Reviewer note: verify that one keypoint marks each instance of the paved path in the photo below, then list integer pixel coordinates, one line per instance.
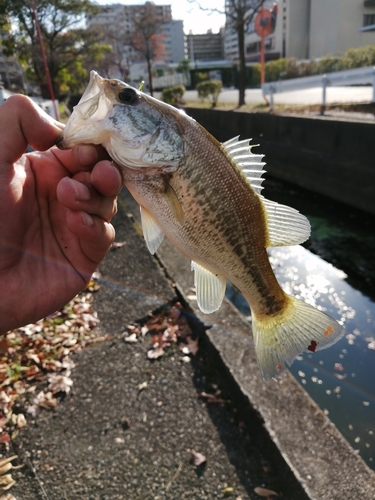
(298, 97)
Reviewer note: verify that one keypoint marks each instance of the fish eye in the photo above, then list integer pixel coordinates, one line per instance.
(127, 96)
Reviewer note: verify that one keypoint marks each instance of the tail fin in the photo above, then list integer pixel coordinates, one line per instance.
(301, 327)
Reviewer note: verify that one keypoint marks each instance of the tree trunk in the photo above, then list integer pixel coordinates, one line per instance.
(242, 64)
(149, 69)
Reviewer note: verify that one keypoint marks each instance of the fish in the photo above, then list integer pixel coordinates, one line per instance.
(205, 198)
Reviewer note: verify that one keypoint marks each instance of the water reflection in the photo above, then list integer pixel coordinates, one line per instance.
(340, 379)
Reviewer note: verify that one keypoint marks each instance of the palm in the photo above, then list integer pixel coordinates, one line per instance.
(47, 253)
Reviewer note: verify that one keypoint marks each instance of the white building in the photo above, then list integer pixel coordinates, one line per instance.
(174, 41)
(308, 29)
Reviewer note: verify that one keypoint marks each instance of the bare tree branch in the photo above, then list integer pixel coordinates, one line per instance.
(239, 14)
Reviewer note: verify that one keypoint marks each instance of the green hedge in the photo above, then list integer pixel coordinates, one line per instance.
(284, 69)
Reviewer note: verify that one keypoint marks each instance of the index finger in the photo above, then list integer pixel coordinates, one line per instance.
(81, 158)
(23, 122)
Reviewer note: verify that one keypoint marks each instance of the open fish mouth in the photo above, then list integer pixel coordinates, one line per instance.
(92, 107)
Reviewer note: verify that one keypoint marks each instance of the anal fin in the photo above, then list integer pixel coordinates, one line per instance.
(210, 288)
(152, 233)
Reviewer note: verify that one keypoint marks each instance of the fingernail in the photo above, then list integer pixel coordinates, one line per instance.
(87, 219)
(82, 192)
(120, 180)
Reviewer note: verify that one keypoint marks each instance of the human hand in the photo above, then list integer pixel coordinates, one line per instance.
(55, 208)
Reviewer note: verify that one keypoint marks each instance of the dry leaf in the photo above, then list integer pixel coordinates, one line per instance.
(6, 482)
(228, 490)
(33, 410)
(155, 353)
(21, 421)
(198, 458)
(46, 400)
(192, 345)
(265, 492)
(211, 398)
(59, 383)
(118, 244)
(131, 338)
(142, 386)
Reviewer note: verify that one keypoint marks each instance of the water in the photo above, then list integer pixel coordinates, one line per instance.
(341, 379)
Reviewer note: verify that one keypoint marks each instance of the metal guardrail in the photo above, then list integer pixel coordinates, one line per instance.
(358, 76)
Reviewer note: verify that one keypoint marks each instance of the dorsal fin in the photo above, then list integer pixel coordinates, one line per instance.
(286, 226)
(251, 164)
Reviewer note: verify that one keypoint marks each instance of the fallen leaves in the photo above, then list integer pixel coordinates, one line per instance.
(168, 325)
(6, 480)
(41, 352)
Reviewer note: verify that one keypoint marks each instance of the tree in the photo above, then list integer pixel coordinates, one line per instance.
(239, 14)
(184, 68)
(147, 38)
(66, 43)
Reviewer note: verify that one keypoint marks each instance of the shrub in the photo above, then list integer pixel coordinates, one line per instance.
(210, 90)
(173, 95)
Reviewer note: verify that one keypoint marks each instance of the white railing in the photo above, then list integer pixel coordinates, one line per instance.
(358, 76)
(165, 81)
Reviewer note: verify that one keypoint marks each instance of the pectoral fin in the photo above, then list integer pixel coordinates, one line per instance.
(174, 203)
(152, 233)
(210, 288)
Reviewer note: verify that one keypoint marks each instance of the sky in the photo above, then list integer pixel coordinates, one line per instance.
(194, 19)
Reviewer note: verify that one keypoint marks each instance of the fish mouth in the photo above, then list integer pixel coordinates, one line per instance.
(92, 107)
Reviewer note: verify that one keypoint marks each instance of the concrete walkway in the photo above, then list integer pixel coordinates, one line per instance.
(111, 440)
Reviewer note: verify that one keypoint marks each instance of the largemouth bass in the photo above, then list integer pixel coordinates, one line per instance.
(205, 197)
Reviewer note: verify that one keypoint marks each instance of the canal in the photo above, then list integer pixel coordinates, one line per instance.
(334, 271)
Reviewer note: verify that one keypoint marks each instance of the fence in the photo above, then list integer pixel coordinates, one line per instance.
(358, 76)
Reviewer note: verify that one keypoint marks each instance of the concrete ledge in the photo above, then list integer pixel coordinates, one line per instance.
(321, 459)
(333, 158)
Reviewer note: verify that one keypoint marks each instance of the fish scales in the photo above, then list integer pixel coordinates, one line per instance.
(221, 190)
(205, 198)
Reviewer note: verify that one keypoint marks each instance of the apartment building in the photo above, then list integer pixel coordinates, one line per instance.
(206, 47)
(307, 29)
(115, 21)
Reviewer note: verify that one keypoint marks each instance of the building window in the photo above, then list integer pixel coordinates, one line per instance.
(253, 47)
(368, 19)
(251, 27)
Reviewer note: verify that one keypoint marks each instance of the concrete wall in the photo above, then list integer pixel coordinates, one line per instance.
(333, 158)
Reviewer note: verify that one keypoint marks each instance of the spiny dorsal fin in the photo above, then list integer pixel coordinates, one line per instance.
(210, 288)
(251, 164)
(153, 235)
(286, 226)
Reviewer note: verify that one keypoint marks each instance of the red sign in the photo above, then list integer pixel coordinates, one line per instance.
(265, 22)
